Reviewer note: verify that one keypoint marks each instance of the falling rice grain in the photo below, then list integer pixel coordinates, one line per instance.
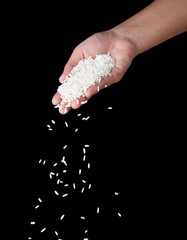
(51, 174)
(119, 214)
(57, 193)
(37, 206)
(43, 230)
(32, 223)
(87, 118)
(82, 217)
(53, 121)
(39, 199)
(65, 146)
(58, 181)
(40, 161)
(62, 217)
(65, 195)
(98, 210)
(66, 124)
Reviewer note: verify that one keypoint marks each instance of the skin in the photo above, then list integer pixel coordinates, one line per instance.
(158, 22)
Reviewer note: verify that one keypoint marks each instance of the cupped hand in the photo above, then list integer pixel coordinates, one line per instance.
(120, 47)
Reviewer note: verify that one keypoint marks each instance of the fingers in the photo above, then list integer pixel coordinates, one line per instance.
(56, 98)
(92, 90)
(64, 109)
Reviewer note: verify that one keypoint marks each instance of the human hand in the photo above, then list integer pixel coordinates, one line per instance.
(120, 47)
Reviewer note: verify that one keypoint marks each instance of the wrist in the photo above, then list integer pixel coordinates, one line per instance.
(129, 33)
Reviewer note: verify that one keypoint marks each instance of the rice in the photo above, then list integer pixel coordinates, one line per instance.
(86, 73)
(62, 217)
(43, 230)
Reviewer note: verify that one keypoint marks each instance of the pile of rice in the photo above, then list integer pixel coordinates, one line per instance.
(86, 73)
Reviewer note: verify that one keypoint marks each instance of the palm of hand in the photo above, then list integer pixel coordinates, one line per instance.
(120, 48)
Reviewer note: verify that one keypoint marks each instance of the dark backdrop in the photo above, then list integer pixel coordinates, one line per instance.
(135, 148)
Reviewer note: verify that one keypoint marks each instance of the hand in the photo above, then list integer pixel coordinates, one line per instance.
(120, 47)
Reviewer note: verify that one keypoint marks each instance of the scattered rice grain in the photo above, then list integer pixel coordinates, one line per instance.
(57, 193)
(119, 214)
(62, 217)
(43, 230)
(65, 195)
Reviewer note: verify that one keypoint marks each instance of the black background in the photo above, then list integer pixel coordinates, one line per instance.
(135, 148)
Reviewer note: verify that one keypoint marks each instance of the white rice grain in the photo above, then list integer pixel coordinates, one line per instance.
(84, 102)
(119, 214)
(98, 210)
(62, 217)
(65, 195)
(57, 193)
(43, 230)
